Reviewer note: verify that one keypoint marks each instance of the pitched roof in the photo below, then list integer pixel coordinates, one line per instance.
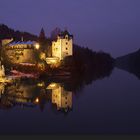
(64, 33)
(13, 43)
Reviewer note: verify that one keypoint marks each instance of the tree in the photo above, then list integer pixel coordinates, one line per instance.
(42, 37)
(55, 32)
(8, 33)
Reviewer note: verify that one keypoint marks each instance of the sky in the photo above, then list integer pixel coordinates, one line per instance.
(111, 26)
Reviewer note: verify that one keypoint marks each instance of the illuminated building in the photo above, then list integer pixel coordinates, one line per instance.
(63, 46)
(20, 51)
(25, 51)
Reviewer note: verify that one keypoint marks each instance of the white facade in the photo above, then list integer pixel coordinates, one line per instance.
(62, 47)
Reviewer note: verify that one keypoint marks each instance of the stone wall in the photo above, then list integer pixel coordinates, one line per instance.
(21, 55)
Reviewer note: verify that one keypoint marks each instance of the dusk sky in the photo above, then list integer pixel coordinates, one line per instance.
(112, 26)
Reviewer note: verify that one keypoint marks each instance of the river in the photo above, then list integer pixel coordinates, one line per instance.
(106, 106)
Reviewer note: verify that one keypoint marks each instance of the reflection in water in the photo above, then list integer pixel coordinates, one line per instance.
(2, 88)
(55, 90)
(29, 93)
(61, 97)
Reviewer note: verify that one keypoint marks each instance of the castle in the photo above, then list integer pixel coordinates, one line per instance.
(25, 51)
(61, 47)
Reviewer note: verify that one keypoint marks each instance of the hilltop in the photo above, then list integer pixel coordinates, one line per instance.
(6, 32)
(130, 63)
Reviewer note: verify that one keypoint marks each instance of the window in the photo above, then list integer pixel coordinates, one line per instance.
(66, 36)
(66, 43)
(66, 48)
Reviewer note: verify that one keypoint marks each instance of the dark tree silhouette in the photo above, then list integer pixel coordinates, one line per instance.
(43, 41)
(55, 32)
(130, 63)
(6, 32)
(42, 37)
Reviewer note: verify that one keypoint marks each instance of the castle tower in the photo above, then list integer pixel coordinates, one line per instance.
(63, 46)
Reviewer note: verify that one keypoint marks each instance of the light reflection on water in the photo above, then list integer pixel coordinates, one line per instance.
(109, 105)
(32, 93)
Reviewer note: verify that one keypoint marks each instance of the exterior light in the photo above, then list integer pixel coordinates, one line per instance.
(52, 60)
(37, 100)
(42, 56)
(37, 46)
(52, 85)
(40, 84)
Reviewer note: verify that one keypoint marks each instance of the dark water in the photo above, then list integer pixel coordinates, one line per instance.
(110, 105)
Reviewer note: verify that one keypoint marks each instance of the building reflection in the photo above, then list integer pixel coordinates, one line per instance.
(2, 88)
(60, 97)
(31, 94)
